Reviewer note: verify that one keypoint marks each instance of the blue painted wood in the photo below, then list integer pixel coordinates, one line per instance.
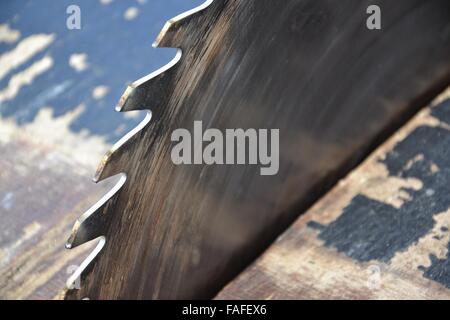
(119, 51)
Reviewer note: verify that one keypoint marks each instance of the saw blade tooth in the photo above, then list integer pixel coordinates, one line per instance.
(175, 31)
(112, 163)
(148, 93)
(91, 224)
(76, 276)
(151, 91)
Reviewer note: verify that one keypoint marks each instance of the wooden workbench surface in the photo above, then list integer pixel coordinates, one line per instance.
(382, 232)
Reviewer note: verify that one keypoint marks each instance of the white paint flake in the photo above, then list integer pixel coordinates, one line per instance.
(24, 51)
(78, 61)
(24, 78)
(8, 35)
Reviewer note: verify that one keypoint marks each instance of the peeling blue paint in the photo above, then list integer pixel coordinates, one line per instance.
(119, 51)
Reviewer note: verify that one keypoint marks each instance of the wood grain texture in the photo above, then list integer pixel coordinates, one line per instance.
(36, 213)
(310, 68)
(381, 233)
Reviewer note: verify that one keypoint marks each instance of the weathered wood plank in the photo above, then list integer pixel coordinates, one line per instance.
(42, 190)
(382, 232)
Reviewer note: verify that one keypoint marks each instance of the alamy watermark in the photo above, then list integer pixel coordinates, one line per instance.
(374, 277)
(233, 146)
(73, 21)
(73, 283)
(373, 22)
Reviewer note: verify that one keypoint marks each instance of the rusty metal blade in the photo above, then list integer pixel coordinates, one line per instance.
(309, 68)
